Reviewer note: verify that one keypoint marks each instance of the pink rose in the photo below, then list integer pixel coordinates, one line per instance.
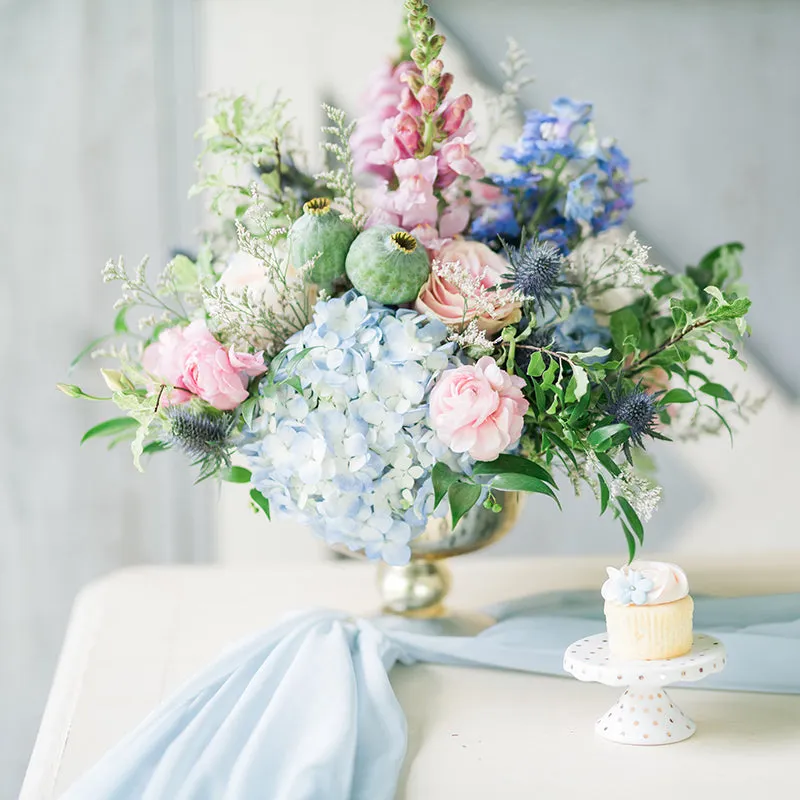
(478, 409)
(440, 299)
(192, 361)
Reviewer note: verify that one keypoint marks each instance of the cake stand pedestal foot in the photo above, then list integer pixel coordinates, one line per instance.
(645, 715)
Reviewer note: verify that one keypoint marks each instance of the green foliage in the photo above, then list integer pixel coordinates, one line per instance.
(244, 137)
(235, 475)
(260, 502)
(111, 427)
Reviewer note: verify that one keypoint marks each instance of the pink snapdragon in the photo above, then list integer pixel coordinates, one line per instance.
(424, 149)
(478, 409)
(454, 159)
(381, 101)
(194, 363)
(414, 200)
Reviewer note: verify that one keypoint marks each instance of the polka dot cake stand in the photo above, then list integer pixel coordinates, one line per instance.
(645, 714)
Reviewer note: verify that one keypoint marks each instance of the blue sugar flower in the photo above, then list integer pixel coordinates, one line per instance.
(632, 588)
(350, 454)
(580, 332)
(584, 199)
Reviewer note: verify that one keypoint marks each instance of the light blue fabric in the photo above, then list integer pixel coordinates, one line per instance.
(305, 710)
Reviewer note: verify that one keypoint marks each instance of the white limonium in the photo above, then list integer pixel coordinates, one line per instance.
(643, 495)
(342, 440)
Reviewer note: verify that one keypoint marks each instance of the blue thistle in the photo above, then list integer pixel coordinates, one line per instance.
(203, 436)
(535, 272)
(638, 410)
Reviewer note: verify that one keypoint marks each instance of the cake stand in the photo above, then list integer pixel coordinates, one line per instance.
(645, 714)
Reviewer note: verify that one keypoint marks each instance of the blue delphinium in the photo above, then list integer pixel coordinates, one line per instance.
(341, 441)
(565, 182)
(579, 333)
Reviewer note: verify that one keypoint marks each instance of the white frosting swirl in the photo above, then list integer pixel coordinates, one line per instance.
(645, 583)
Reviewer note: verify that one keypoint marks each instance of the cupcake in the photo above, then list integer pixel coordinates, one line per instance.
(648, 611)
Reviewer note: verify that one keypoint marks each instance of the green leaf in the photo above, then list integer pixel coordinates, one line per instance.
(581, 378)
(723, 421)
(120, 325)
(536, 364)
(624, 324)
(678, 396)
(111, 427)
(443, 478)
(248, 410)
(86, 350)
(717, 390)
(632, 517)
(608, 463)
(606, 436)
(629, 538)
(238, 115)
(260, 501)
(517, 465)
(539, 397)
(235, 475)
(549, 376)
(604, 494)
(564, 448)
(664, 287)
(738, 308)
(514, 482)
(462, 497)
(155, 447)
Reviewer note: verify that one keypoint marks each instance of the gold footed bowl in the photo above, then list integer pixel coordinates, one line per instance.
(418, 589)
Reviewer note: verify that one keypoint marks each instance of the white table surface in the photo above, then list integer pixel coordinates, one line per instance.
(138, 634)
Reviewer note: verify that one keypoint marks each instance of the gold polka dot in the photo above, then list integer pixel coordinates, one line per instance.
(649, 697)
(633, 708)
(655, 722)
(641, 697)
(619, 677)
(659, 710)
(659, 694)
(670, 735)
(646, 736)
(647, 711)
(635, 723)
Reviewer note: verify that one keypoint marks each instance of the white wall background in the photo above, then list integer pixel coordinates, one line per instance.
(95, 157)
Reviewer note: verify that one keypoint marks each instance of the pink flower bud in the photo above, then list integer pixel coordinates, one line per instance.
(428, 98)
(455, 112)
(435, 68)
(445, 84)
(409, 104)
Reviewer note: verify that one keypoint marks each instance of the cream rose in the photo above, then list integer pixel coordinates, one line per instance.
(440, 299)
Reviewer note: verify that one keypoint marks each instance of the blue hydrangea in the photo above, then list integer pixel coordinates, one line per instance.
(341, 440)
(580, 332)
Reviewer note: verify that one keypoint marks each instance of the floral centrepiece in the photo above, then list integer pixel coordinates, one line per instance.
(425, 325)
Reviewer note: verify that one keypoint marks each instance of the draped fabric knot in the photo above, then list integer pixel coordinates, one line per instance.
(305, 709)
